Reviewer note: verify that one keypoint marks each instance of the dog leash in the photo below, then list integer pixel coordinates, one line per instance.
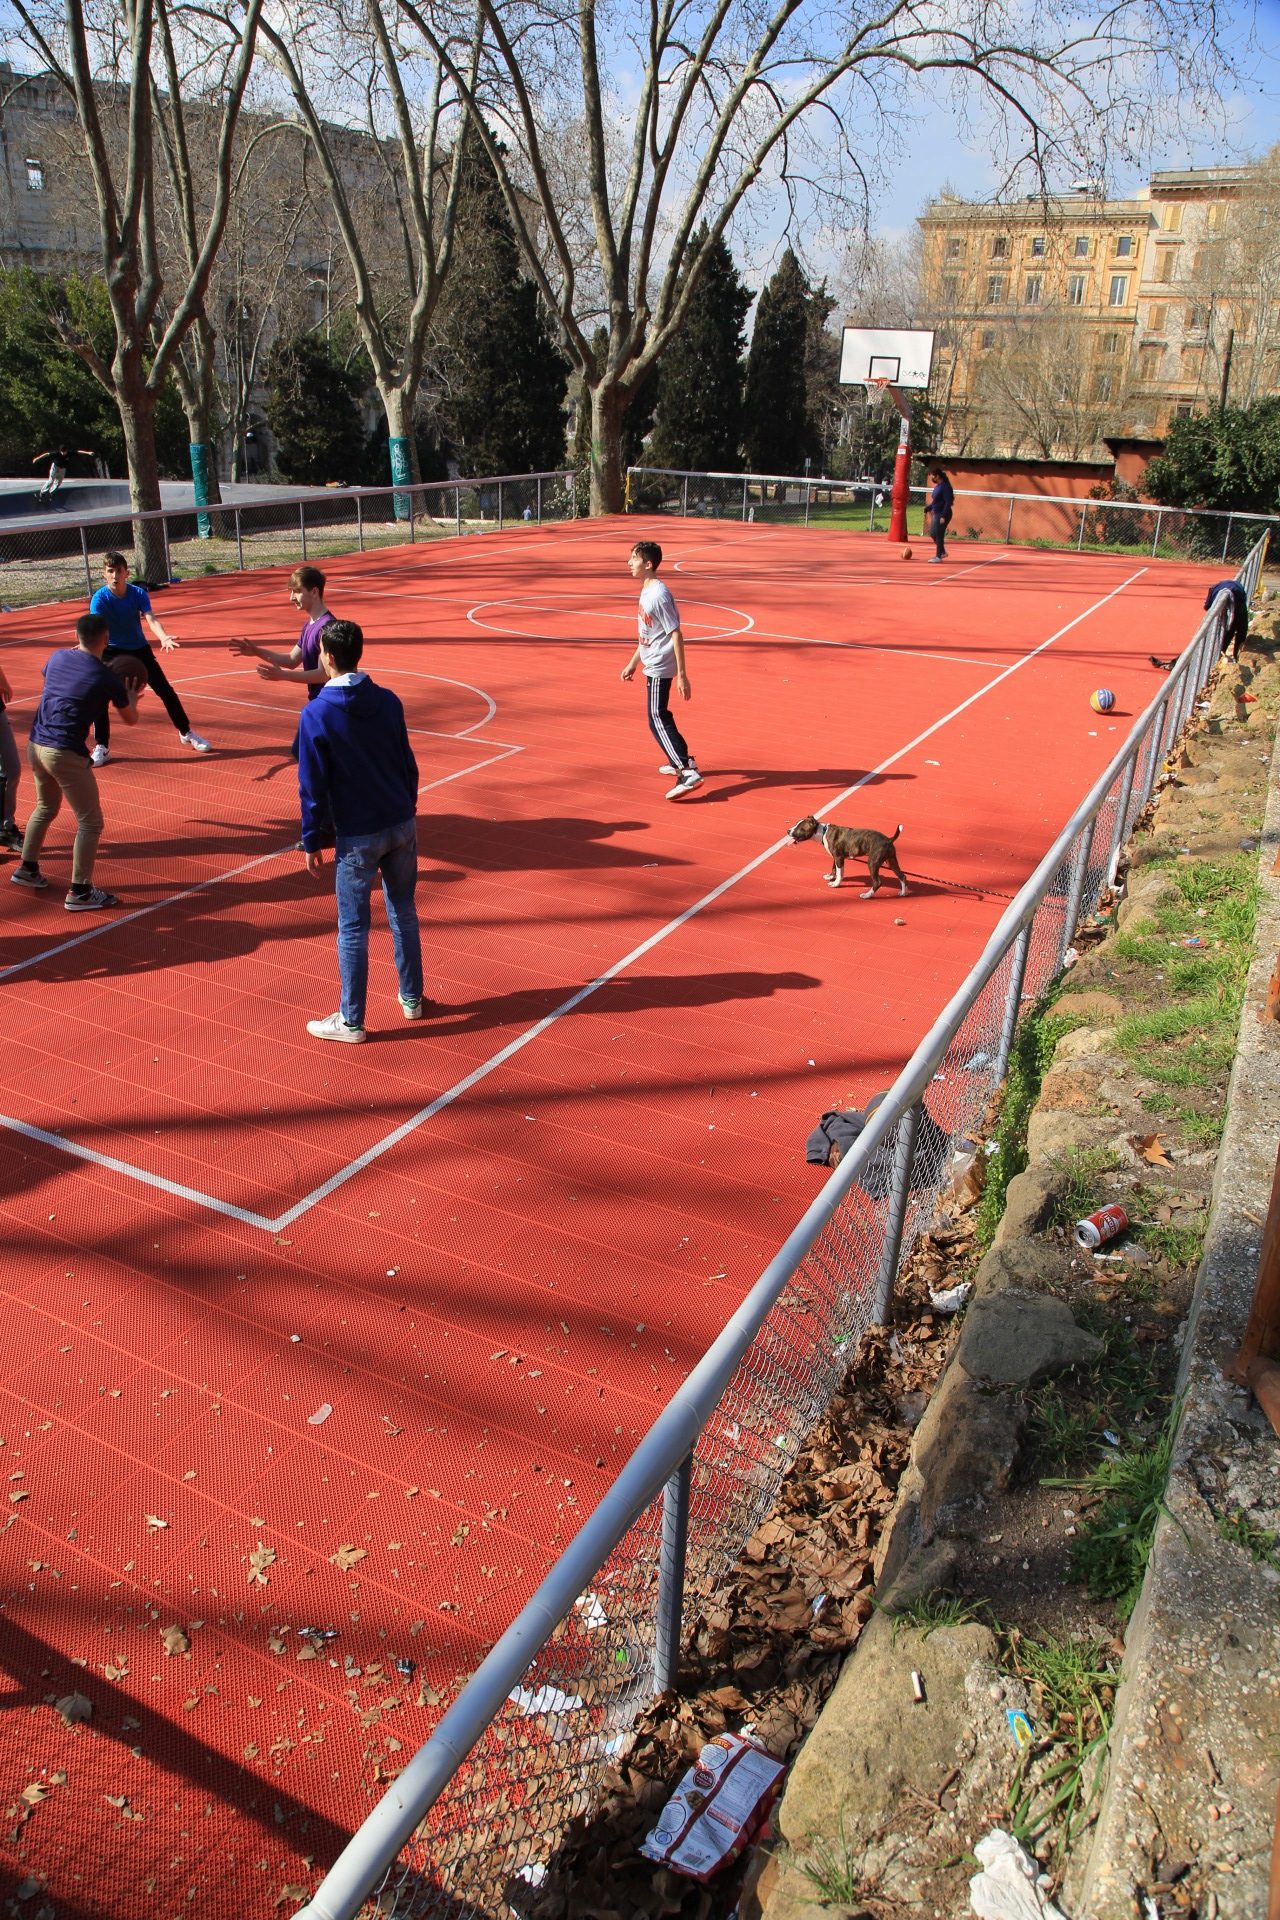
(958, 886)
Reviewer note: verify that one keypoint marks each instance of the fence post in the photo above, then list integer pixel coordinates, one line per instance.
(1075, 891)
(360, 521)
(871, 512)
(500, 518)
(684, 499)
(412, 505)
(457, 508)
(302, 526)
(1084, 515)
(1155, 538)
(1013, 1001)
(84, 555)
(744, 499)
(539, 499)
(808, 496)
(1008, 532)
(239, 542)
(1226, 538)
(903, 1156)
(675, 1541)
(168, 560)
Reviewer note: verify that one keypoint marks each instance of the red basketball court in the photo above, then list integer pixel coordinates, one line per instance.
(491, 1243)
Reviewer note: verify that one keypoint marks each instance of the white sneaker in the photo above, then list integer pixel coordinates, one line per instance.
(334, 1027)
(685, 783)
(100, 756)
(194, 740)
(667, 767)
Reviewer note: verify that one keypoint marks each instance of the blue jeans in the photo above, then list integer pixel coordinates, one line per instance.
(361, 859)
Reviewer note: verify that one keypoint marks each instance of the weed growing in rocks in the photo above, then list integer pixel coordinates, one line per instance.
(1258, 1542)
(1038, 1033)
(1126, 1495)
(1072, 1684)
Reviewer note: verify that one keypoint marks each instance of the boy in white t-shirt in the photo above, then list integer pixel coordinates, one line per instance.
(661, 653)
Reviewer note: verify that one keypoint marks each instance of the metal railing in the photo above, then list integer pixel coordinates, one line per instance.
(470, 1824)
(57, 557)
(1012, 519)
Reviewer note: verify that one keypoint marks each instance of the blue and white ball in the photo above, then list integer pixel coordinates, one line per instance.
(1103, 700)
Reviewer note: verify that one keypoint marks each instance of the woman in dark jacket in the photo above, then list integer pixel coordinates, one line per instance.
(937, 511)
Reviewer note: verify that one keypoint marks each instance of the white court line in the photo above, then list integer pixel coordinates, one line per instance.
(522, 1040)
(158, 1180)
(140, 913)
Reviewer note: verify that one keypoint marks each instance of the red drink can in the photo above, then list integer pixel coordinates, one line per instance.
(1100, 1227)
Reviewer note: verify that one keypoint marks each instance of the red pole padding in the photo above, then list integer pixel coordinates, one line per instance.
(901, 473)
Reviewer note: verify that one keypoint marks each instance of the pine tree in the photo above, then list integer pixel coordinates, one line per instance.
(698, 420)
(498, 376)
(776, 429)
(313, 411)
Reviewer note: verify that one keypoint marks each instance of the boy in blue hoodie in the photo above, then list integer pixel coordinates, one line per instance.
(356, 769)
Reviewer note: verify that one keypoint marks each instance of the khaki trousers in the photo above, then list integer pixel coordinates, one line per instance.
(57, 771)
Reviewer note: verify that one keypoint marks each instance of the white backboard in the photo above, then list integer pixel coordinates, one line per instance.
(901, 355)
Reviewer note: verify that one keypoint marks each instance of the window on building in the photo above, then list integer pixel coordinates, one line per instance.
(1082, 246)
(1158, 317)
(1172, 221)
(1102, 386)
(1149, 359)
(950, 289)
(1109, 343)
(988, 338)
(1076, 289)
(1164, 272)
(955, 247)
(35, 176)
(1192, 363)
(1037, 246)
(1032, 290)
(1000, 247)
(1217, 214)
(1124, 246)
(1119, 293)
(995, 290)
(1197, 319)
(1183, 410)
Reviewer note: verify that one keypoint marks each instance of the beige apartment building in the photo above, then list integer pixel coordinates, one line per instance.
(1062, 321)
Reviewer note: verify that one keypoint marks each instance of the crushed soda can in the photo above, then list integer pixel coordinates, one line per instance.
(1100, 1227)
(405, 1668)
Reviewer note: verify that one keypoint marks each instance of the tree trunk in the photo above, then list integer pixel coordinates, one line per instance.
(138, 424)
(608, 410)
(402, 447)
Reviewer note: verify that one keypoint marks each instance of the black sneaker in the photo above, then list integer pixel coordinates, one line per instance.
(25, 876)
(11, 838)
(92, 901)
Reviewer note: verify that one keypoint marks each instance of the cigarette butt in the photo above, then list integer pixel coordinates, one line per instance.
(917, 1686)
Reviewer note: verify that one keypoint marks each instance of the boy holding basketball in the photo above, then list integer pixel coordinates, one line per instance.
(124, 607)
(78, 689)
(661, 653)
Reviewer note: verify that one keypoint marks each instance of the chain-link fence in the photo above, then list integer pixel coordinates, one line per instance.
(470, 1826)
(1013, 519)
(60, 559)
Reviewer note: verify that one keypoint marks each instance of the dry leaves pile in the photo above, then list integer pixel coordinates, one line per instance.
(769, 1643)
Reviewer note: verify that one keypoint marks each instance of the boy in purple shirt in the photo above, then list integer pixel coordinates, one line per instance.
(302, 662)
(78, 689)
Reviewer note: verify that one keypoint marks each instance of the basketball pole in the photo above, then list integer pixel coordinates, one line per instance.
(901, 471)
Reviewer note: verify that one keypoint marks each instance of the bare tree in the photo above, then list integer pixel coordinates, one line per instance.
(1049, 386)
(681, 124)
(1231, 317)
(394, 191)
(93, 60)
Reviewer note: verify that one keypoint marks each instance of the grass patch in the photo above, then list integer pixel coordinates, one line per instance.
(1072, 1686)
(1034, 1040)
(928, 1612)
(1110, 1551)
(1082, 1170)
(1259, 1543)
(1067, 1417)
(829, 1867)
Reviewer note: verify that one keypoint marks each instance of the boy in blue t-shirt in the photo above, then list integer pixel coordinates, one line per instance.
(124, 607)
(78, 687)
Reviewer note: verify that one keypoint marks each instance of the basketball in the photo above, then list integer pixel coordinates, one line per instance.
(904, 553)
(131, 669)
(1103, 700)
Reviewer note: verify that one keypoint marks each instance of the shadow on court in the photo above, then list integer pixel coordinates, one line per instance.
(619, 998)
(729, 783)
